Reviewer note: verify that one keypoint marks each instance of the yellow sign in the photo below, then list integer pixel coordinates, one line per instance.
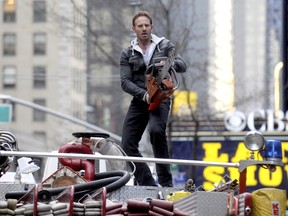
(254, 176)
(184, 103)
(231, 151)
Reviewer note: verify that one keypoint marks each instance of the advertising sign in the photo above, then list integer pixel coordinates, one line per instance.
(227, 150)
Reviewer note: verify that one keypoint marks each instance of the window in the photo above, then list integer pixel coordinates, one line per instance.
(9, 44)
(39, 77)
(9, 11)
(38, 115)
(39, 11)
(39, 41)
(9, 77)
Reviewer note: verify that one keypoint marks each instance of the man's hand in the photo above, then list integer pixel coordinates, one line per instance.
(147, 98)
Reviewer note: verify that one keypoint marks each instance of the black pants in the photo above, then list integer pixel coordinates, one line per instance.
(137, 118)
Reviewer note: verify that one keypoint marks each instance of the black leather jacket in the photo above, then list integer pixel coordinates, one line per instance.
(133, 67)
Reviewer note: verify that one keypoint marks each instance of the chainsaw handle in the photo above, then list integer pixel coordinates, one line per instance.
(149, 69)
(174, 75)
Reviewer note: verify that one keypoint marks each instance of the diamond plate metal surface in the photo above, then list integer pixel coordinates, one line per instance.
(201, 203)
(5, 188)
(140, 192)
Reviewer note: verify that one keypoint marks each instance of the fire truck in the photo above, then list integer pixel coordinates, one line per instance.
(76, 187)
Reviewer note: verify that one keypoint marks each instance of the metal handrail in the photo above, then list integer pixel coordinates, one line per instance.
(60, 115)
(122, 158)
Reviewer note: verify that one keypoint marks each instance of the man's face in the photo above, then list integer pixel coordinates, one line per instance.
(142, 28)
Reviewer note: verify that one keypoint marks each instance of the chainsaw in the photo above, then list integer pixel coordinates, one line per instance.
(161, 79)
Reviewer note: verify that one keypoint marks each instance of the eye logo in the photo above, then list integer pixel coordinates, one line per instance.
(235, 121)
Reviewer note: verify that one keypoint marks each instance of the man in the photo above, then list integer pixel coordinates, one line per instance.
(133, 64)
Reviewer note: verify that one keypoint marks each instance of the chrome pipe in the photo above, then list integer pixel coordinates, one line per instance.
(116, 157)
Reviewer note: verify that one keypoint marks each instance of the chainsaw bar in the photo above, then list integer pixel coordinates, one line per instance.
(172, 55)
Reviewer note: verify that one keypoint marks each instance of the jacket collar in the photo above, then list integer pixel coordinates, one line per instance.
(155, 40)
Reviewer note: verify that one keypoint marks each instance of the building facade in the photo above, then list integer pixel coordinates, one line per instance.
(43, 61)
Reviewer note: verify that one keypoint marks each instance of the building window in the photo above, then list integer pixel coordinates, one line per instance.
(39, 43)
(9, 11)
(39, 77)
(39, 11)
(9, 44)
(38, 115)
(9, 77)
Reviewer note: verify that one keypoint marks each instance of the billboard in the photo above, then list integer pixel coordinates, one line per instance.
(225, 149)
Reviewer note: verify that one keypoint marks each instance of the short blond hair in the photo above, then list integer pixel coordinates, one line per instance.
(139, 14)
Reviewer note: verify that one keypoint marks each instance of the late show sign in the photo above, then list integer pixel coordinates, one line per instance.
(229, 151)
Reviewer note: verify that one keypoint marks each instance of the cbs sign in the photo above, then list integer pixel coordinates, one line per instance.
(260, 120)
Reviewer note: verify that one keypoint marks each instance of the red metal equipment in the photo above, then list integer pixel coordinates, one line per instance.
(78, 164)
